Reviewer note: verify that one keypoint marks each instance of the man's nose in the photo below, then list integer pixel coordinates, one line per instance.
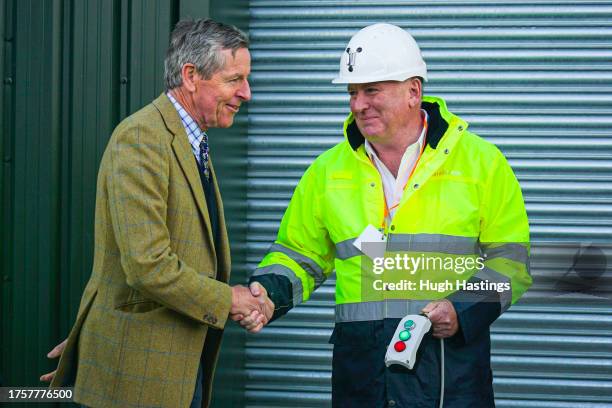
(244, 92)
(358, 103)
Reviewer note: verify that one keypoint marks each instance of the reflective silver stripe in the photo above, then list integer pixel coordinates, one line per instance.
(384, 309)
(505, 297)
(307, 264)
(282, 270)
(447, 244)
(345, 249)
(514, 252)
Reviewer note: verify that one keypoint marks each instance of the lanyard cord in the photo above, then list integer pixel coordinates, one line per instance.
(387, 211)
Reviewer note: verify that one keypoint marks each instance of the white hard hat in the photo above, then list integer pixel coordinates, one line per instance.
(381, 52)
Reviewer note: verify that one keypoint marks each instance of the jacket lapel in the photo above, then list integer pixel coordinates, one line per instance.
(185, 157)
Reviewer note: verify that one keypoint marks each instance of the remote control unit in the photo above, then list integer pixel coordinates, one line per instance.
(406, 340)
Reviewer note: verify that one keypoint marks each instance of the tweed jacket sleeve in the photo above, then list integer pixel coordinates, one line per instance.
(138, 174)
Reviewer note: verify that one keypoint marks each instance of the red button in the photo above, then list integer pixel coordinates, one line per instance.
(400, 346)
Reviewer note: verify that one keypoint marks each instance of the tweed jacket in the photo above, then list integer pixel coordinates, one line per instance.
(156, 292)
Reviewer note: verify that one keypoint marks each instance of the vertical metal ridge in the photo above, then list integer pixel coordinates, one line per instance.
(6, 185)
(50, 302)
(64, 310)
(124, 52)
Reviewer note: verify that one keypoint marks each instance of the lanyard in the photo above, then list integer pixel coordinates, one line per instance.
(387, 211)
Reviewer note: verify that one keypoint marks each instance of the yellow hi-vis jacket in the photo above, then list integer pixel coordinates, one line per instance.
(462, 202)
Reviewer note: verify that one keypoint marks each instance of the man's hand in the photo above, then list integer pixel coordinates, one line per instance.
(55, 353)
(251, 323)
(251, 307)
(443, 318)
(258, 318)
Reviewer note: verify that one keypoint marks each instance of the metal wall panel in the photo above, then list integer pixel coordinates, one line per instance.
(111, 69)
(91, 110)
(35, 164)
(150, 24)
(6, 101)
(71, 70)
(534, 78)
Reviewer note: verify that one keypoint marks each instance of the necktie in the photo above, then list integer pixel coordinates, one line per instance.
(204, 156)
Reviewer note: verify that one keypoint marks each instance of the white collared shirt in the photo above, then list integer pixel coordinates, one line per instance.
(394, 187)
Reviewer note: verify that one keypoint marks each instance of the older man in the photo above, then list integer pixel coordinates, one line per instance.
(153, 312)
(411, 176)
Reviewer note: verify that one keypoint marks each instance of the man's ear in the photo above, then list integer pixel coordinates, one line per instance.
(189, 74)
(415, 90)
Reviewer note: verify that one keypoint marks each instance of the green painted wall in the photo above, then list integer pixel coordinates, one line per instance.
(71, 70)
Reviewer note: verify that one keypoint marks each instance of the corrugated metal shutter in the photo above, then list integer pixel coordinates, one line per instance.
(534, 79)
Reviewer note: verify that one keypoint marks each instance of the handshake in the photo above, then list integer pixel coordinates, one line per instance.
(251, 307)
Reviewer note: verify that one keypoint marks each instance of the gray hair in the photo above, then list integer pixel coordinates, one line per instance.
(200, 43)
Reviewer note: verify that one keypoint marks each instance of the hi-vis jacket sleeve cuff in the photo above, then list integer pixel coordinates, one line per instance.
(279, 290)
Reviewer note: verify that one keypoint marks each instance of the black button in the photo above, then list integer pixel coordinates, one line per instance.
(393, 228)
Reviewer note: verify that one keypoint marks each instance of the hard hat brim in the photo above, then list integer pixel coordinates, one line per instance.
(392, 77)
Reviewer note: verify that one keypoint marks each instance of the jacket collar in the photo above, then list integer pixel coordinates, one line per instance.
(439, 120)
(169, 114)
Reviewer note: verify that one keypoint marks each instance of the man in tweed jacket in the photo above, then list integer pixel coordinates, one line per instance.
(153, 312)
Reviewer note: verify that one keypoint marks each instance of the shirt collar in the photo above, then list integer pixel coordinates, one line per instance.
(194, 133)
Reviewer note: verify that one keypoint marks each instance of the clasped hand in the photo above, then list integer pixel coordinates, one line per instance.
(443, 317)
(251, 307)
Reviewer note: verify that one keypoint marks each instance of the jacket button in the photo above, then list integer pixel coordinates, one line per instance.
(460, 128)
(416, 186)
(393, 228)
(446, 151)
(372, 184)
(391, 403)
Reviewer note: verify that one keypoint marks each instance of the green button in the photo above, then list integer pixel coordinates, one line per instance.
(409, 324)
(404, 335)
